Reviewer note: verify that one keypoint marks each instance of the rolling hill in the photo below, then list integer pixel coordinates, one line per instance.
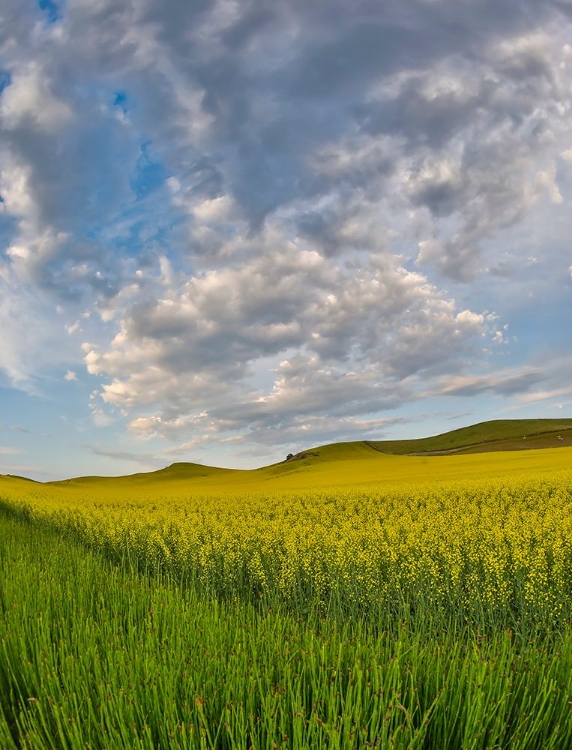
(511, 446)
(498, 435)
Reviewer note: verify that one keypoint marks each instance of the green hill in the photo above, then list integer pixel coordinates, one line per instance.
(498, 435)
(358, 462)
(181, 471)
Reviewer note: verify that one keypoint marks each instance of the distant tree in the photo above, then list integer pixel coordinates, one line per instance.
(289, 456)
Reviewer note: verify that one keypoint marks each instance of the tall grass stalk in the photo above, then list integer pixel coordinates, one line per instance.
(97, 655)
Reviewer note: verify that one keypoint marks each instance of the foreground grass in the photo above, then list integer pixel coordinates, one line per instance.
(93, 655)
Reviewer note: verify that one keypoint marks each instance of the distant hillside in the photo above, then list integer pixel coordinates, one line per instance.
(181, 471)
(498, 435)
(360, 461)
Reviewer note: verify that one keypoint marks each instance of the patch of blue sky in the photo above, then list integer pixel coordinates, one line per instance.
(135, 233)
(436, 415)
(94, 178)
(51, 10)
(544, 325)
(8, 227)
(142, 230)
(19, 406)
(120, 100)
(39, 432)
(5, 80)
(149, 173)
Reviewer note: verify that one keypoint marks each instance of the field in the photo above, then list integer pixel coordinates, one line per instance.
(347, 598)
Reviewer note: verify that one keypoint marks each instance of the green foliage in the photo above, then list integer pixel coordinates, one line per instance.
(493, 551)
(345, 599)
(498, 435)
(93, 655)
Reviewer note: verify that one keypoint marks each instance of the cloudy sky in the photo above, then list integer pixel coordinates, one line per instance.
(233, 229)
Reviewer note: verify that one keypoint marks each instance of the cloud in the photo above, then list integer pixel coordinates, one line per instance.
(29, 100)
(302, 433)
(535, 396)
(17, 428)
(346, 343)
(147, 460)
(478, 142)
(70, 375)
(7, 451)
(31, 339)
(503, 383)
(274, 220)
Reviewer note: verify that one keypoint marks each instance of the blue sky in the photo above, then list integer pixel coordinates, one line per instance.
(233, 229)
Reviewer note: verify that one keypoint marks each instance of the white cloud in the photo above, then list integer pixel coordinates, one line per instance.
(31, 339)
(351, 340)
(29, 99)
(15, 185)
(504, 382)
(283, 216)
(530, 398)
(8, 451)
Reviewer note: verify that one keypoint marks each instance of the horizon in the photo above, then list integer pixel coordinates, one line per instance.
(231, 231)
(309, 449)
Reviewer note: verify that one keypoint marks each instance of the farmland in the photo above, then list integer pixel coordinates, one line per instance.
(348, 598)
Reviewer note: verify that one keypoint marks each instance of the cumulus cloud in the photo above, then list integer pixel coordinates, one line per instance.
(274, 220)
(351, 342)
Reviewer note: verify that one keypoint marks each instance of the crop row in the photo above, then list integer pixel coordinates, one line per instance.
(488, 551)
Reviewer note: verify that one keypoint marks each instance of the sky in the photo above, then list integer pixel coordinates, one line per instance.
(234, 229)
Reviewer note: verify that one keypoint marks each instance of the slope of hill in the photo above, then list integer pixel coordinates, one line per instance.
(177, 472)
(502, 434)
(508, 444)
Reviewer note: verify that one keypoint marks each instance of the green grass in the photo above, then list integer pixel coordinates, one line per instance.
(95, 656)
(101, 653)
(501, 435)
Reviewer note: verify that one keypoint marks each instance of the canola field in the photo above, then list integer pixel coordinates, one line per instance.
(346, 600)
(494, 550)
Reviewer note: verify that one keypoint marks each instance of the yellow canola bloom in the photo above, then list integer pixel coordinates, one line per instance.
(496, 544)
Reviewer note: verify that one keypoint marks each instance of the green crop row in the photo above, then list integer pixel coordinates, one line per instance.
(494, 553)
(94, 655)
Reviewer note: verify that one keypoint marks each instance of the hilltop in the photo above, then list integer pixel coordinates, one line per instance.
(510, 445)
(497, 435)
